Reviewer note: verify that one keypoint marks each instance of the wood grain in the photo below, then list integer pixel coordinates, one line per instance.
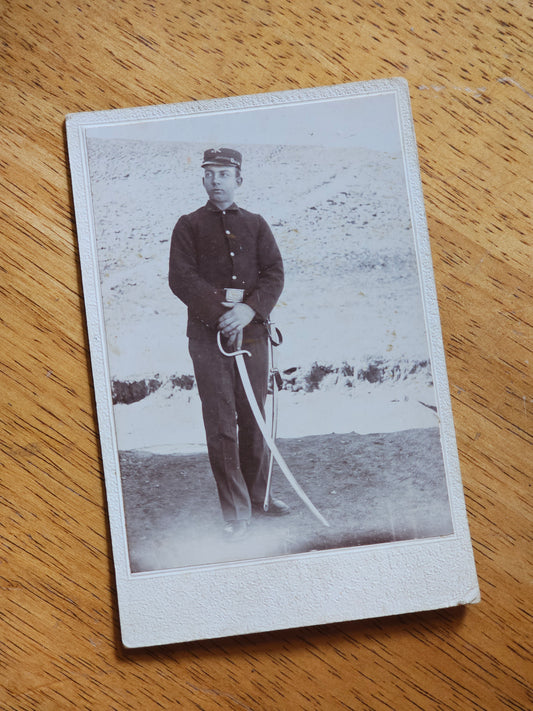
(469, 68)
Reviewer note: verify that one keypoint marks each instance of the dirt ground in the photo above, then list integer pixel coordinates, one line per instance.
(370, 488)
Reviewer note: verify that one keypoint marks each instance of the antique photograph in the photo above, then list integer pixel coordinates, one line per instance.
(303, 223)
(264, 330)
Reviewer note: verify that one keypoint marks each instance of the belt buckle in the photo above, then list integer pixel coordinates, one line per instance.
(234, 296)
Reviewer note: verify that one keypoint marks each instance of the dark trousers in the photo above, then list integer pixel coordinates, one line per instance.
(236, 447)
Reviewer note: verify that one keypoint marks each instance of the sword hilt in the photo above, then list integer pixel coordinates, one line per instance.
(231, 354)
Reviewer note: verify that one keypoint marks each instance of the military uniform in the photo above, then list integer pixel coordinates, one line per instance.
(213, 250)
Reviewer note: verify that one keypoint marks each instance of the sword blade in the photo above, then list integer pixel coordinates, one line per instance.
(245, 379)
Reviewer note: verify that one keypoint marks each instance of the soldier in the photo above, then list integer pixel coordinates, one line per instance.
(226, 267)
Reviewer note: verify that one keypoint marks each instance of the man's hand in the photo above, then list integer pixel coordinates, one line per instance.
(233, 322)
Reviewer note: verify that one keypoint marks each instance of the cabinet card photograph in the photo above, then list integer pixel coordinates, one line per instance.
(269, 372)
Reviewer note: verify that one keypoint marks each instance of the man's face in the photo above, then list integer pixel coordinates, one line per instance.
(220, 182)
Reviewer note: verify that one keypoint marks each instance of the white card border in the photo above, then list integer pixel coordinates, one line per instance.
(299, 590)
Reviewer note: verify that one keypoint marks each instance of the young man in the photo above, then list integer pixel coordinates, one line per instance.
(226, 267)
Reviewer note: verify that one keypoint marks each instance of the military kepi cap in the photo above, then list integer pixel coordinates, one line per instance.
(222, 156)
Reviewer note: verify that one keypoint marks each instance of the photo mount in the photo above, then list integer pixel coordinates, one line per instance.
(316, 587)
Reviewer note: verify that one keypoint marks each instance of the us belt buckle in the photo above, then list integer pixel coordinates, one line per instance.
(234, 296)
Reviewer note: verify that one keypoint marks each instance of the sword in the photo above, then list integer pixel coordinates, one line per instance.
(245, 379)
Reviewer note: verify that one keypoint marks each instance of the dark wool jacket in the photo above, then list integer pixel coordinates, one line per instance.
(212, 250)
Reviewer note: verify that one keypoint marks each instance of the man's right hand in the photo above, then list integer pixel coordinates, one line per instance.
(233, 322)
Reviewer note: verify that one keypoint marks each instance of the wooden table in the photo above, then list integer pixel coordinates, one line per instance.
(470, 78)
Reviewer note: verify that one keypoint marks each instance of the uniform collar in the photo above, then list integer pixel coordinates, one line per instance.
(213, 208)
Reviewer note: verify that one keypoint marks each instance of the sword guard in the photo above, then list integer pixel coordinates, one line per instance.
(232, 354)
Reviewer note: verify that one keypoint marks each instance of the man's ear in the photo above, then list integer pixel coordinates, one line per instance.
(239, 180)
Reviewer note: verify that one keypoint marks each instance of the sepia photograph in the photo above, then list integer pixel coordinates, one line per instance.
(264, 331)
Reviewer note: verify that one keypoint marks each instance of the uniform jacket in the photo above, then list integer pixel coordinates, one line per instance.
(212, 250)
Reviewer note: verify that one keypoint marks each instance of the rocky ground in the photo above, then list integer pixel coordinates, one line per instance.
(371, 489)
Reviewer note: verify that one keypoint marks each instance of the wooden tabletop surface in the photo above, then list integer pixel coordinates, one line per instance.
(469, 69)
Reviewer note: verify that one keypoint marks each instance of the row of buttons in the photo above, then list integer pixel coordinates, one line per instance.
(231, 254)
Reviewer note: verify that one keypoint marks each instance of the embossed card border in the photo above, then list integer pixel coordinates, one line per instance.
(309, 589)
